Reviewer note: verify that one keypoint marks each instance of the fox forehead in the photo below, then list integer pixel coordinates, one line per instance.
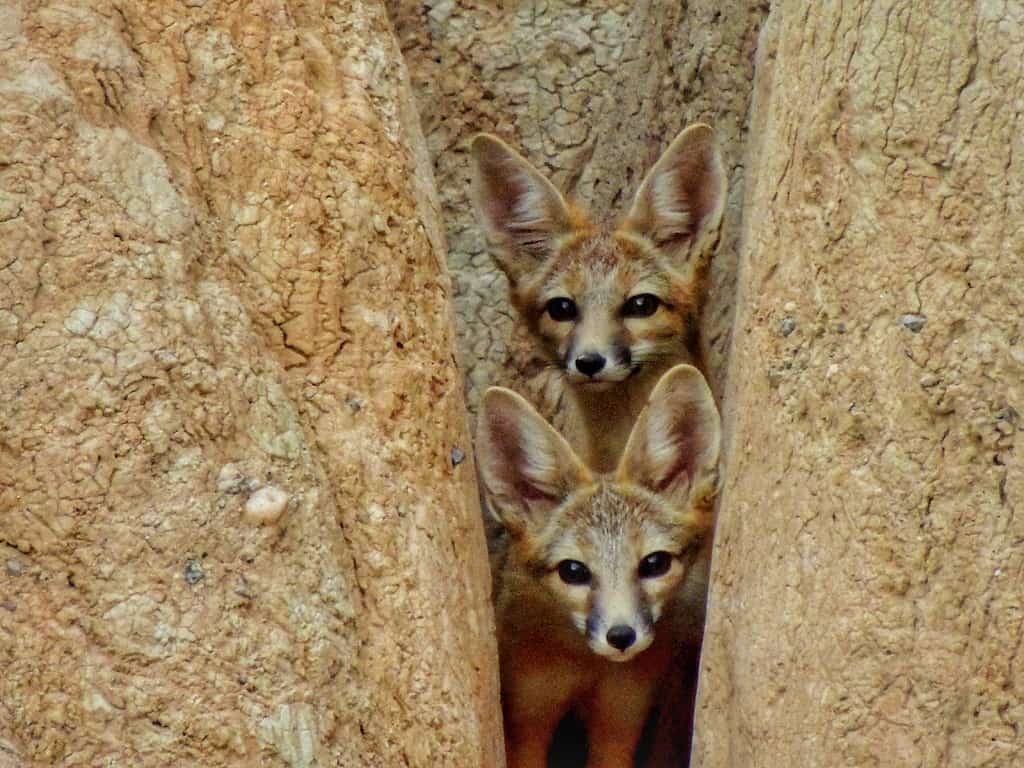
(602, 251)
(617, 520)
(604, 265)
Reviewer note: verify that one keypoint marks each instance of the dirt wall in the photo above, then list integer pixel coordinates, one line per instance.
(866, 603)
(592, 93)
(238, 521)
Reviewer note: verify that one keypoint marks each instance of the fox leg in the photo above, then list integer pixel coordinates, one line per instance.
(676, 698)
(615, 720)
(526, 745)
(534, 705)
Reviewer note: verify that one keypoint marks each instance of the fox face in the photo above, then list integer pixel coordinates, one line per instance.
(607, 555)
(607, 309)
(604, 302)
(614, 562)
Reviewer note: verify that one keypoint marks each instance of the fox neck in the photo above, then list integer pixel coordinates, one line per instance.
(606, 417)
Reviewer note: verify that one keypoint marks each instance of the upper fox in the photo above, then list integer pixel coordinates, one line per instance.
(614, 306)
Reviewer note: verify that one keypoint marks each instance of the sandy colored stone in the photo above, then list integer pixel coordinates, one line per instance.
(223, 270)
(592, 93)
(867, 602)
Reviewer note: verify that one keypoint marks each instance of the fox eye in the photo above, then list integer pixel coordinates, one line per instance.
(562, 309)
(573, 572)
(655, 564)
(641, 305)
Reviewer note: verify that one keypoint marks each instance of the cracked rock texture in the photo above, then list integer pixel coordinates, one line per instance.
(867, 602)
(231, 530)
(591, 93)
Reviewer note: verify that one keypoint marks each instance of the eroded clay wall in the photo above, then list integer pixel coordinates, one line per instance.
(591, 93)
(238, 523)
(867, 604)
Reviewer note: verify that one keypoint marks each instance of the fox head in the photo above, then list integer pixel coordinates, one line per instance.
(604, 302)
(609, 553)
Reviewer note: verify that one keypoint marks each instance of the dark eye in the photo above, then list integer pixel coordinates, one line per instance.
(562, 309)
(574, 572)
(655, 564)
(641, 305)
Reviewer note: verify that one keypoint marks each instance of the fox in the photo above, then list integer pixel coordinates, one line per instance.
(602, 578)
(612, 306)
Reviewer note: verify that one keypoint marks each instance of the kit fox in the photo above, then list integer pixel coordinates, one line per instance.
(593, 564)
(612, 307)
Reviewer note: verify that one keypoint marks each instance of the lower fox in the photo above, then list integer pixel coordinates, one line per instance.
(595, 564)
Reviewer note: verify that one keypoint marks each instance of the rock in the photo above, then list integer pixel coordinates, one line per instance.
(855, 551)
(233, 479)
(217, 221)
(266, 505)
(591, 93)
(194, 572)
(913, 323)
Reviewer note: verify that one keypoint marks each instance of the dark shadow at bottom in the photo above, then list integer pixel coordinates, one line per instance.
(569, 745)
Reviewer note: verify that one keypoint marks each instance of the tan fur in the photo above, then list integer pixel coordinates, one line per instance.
(553, 636)
(548, 248)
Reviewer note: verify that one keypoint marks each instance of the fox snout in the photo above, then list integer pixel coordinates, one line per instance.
(620, 642)
(594, 363)
(619, 635)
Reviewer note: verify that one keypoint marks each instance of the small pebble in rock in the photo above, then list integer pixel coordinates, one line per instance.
(8, 605)
(929, 380)
(193, 572)
(15, 568)
(840, 327)
(787, 326)
(457, 456)
(232, 479)
(266, 505)
(913, 323)
(242, 588)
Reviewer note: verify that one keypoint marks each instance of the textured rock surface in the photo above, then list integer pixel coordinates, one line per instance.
(867, 604)
(591, 93)
(231, 529)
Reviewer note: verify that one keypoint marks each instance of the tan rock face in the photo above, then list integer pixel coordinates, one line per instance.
(591, 93)
(237, 525)
(866, 604)
(231, 528)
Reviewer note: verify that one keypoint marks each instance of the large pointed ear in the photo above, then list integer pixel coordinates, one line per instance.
(673, 448)
(522, 214)
(526, 467)
(679, 204)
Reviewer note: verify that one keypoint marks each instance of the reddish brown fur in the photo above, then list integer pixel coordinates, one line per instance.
(550, 251)
(590, 253)
(554, 655)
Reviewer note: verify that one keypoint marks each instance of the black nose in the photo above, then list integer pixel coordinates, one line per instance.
(590, 363)
(620, 636)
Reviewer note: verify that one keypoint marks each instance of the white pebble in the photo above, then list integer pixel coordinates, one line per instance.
(80, 321)
(266, 505)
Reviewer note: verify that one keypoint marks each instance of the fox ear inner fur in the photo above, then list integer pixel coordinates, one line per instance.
(680, 202)
(522, 213)
(673, 448)
(526, 467)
